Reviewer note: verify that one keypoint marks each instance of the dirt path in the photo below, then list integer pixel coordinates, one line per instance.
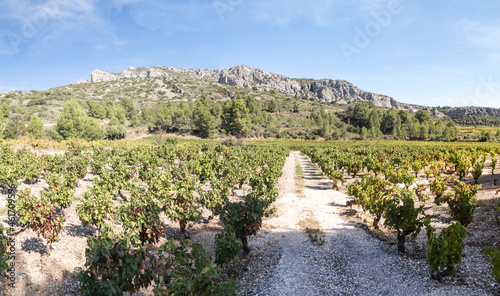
(349, 262)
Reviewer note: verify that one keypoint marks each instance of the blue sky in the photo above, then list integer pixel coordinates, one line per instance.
(423, 52)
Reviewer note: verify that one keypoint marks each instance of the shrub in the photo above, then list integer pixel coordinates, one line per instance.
(445, 249)
(402, 215)
(227, 246)
(187, 270)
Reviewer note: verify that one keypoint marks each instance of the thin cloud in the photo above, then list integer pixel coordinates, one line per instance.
(51, 25)
(486, 36)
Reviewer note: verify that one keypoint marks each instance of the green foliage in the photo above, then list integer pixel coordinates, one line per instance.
(477, 171)
(13, 130)
(135, 121)
(438, 187)
(494, 161)
(463, 203)
(203, 120)
(227, 246)
(182, 118)
(40, 215)
(142, 215)
(96, 206)
(4, 110)
(271, 106)
(494, 257)
(4, 249)
(245, 217)
(182, 205)
(35, 127)
(402, 215)
(9, 176)
(399, 175)
(60, 196)
(73, 123)
(371, 194)
(445, 250)
(115, 264)
(235, 118)
(187, 270)
(128, 106)
(115, 132)
(96, 110)
(485, 136)
(120, 114)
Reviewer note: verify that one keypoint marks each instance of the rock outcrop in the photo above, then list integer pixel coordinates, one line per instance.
(461, 112)
(325, 90)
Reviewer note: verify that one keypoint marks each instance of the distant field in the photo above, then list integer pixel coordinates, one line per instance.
(476, 129)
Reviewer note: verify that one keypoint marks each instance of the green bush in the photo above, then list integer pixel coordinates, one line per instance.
(227, 246)
(463, 203)
(494, 257)
(4, 247)
(73, 123)
(115, 264)
(35, 127)
(187, 270)
(402, 215)
(445, 249)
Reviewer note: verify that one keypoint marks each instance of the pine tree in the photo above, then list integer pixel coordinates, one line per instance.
(235, 118)
(35, 127)
(203, 119)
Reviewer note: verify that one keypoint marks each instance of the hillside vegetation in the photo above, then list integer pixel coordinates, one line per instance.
(186, 104)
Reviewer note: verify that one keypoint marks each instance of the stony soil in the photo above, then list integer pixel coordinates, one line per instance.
(341, 256)
(353, 260)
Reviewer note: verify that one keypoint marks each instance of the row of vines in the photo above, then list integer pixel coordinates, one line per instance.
(131, 189)
(389, 189)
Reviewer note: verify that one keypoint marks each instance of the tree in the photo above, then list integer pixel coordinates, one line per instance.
(120, 114)
(13, 130)
(73, 123)
(4, 110)
(296, 108)
(163, 118)
(115, 130)
(235, 118)
(203, 119)
(271, 106)
(35, 127)
(390, 121)
(250, 103)
(96, 110)
(422, 116)
(135, 121)
(128, 106)
(181, 118)
(486, 136)
(146, 115)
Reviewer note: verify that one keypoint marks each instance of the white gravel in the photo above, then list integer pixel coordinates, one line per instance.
(351, 262)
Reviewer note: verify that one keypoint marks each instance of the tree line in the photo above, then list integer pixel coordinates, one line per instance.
(241, 116)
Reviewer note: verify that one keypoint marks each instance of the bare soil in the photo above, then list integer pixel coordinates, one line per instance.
(339, 254)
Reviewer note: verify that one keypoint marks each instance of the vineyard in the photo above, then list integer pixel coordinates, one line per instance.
(401, 185)
(133, 210)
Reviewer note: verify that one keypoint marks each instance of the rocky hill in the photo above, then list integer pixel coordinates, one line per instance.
(462, 112)
(324, 90)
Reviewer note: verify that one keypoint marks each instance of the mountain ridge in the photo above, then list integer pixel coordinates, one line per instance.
(324, 90)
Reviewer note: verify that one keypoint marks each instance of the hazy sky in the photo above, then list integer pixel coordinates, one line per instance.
(417, 51)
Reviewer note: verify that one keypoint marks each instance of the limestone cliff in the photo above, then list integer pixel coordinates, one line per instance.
(325, 90)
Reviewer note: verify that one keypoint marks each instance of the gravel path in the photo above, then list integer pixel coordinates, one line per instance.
(350, 262)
